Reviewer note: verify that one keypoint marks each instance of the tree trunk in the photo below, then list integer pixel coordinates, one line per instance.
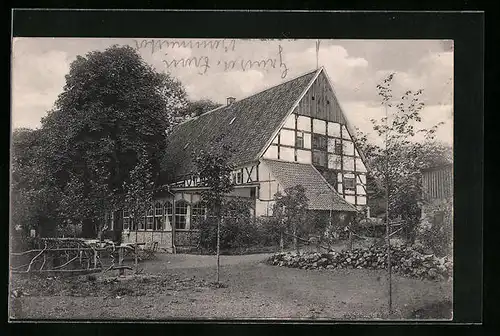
(282, 243)
(389, 266)
(135, 258)
(218, 247)
(295, 240)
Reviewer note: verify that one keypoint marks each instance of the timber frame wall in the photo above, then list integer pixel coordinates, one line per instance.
(318, 117)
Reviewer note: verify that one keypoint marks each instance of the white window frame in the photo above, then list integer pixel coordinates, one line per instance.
(184, 215)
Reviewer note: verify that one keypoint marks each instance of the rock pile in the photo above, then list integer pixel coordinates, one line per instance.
(404, 261)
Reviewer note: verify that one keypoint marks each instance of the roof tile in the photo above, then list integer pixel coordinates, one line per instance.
(255, 120)
(320, 193)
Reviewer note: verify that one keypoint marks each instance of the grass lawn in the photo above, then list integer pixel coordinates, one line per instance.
(179, 287)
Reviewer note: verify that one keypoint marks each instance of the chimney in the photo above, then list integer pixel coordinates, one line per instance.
(230, 100)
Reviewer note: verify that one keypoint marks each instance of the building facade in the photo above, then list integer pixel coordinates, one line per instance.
(437, 208)
(437, 188)
(293, 133)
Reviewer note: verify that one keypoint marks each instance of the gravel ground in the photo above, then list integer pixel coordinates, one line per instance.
(181, 287)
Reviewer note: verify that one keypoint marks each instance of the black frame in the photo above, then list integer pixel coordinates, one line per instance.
(466, 29)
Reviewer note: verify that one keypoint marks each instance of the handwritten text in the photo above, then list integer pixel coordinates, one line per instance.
(204, 63)
(157, 45)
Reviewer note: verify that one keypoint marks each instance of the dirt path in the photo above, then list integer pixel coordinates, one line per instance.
(254, 291)
(166, 261)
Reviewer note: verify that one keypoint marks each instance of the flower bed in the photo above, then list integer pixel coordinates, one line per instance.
(404, 260)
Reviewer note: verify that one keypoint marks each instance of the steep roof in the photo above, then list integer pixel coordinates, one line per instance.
(320, 193)
(247, 125)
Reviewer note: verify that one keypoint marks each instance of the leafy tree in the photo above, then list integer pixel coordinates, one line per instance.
(139, 189)
(111, 117)
(214, 171)
(395, 166)
(199, 107)
(33, 199)
(290, 208)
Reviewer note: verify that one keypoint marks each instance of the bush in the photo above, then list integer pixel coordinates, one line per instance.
(268, 231)
(234, 233)
(436, 235)
(238, 229)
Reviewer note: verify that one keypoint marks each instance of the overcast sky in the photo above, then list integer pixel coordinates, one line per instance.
(354, 66)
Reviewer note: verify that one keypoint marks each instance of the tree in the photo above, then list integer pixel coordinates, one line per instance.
(139, 189)
(214, 171)
(33, 197)
(290, 208)
(395, 166)
(199, 107)
(111, 117)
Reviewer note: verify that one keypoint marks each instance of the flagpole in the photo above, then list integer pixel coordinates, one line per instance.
(317, 53)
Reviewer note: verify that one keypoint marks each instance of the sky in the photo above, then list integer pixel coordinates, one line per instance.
(216, 69)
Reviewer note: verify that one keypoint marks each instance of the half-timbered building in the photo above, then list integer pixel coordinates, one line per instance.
(293, 133)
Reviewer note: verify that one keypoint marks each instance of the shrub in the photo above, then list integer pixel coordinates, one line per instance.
(435, 231)
(268, 231)
(234, 233)
(208, 233)
(238, 229)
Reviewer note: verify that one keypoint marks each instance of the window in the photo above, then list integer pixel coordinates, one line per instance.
(150, 219)
(181, 208)
(126, 220)
(141, 223)
(111, 225)
(319, 142)
(299, 140)
(319, 158)
(338, 147)
(159, 219)
(198, 213)
(108, 220)
(349, 183)
(168, 211)
(239, 177)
